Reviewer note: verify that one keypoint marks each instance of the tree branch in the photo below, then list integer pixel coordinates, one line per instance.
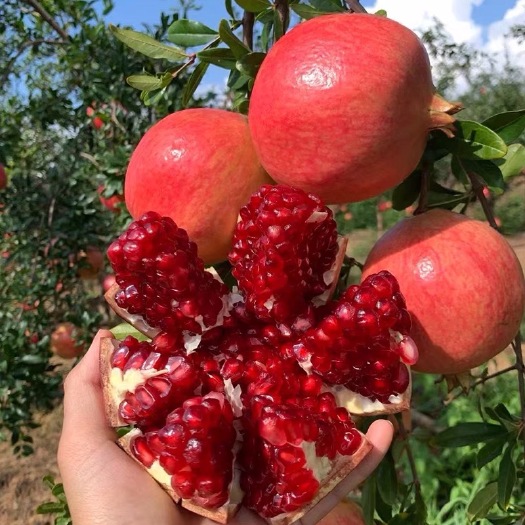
(248, 21)
(283, 12)
(20, 52)
(355, 6)
(39, 8)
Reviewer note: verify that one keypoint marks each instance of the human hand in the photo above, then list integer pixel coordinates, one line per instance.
(104, 486)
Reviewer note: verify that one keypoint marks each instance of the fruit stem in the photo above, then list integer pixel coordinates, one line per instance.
(248, 21)
(355, 6)
(477, 188)
(481, 381)
(410, 456)
(516, 345)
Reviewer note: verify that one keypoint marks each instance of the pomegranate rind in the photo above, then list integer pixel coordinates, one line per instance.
(137, 321)
(342, 466)
(107, 347)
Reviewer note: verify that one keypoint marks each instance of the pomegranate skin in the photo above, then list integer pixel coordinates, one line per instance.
(340, 106)
(197, 166)
(463, 285)
(3, 177)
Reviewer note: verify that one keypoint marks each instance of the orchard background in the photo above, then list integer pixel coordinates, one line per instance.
(68, 123)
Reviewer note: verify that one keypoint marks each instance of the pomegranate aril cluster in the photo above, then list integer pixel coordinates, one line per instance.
(284, 244)
(363, 343)
(162, 279)
(279, 476)
(195, 447)
(267, 358)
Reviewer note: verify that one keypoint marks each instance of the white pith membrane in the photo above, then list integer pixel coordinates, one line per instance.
(360, 405)
(329, 472)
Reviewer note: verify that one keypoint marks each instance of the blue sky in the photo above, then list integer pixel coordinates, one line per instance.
(481, 23)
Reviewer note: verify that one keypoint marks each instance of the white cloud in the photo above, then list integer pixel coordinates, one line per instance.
(456, 16)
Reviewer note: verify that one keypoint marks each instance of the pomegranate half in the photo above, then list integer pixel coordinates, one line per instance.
(197, 166)
(245, 396)
(463, 283)
(342, 106)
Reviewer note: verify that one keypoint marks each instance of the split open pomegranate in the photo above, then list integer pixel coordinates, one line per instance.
(246, 396)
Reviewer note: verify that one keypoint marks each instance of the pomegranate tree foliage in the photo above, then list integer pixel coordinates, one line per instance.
(57, 59)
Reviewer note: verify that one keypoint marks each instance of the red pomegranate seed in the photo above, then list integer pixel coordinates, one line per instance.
(284, 243)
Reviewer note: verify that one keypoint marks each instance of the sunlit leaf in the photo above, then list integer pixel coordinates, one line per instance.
(188, 33)
(193, 82)
(483, 501)
(509, 125)
(253, 6)
(147, 45)
(237, 46)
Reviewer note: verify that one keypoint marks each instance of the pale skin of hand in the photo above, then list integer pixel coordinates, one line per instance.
(104, 486)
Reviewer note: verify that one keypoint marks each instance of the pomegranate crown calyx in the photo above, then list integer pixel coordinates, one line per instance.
(441, 115)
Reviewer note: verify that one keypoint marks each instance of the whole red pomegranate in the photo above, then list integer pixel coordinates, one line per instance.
(3, 177)
(111, 203)
(108, 282)
(91, 263)
(63, 341)
(197, 166)
(342, 105)
(463, 284)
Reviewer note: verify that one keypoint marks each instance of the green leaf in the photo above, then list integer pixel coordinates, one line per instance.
(151, 98)
(236, 80)
(464, 434)
(249, 65)
(193, 82)
(188, 33)
(509, 519)
(509, 125)
(488, 171)
(441, 197)
(381, 12)
(475, 141)
(124, 329)
(237, 46)
(386, 472)
(332, 6)
(459, 171)
(219, 56)
(506, 478)
(147, 45)
(49, 481)
(63, 520)
(29, 359)
(407, 192)
(229, 8)
(50, 507)
(514, 161)
(253, 6)
(145, 82)
(307, 12)
(483, 501)
(490, 451)
(368, 499)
